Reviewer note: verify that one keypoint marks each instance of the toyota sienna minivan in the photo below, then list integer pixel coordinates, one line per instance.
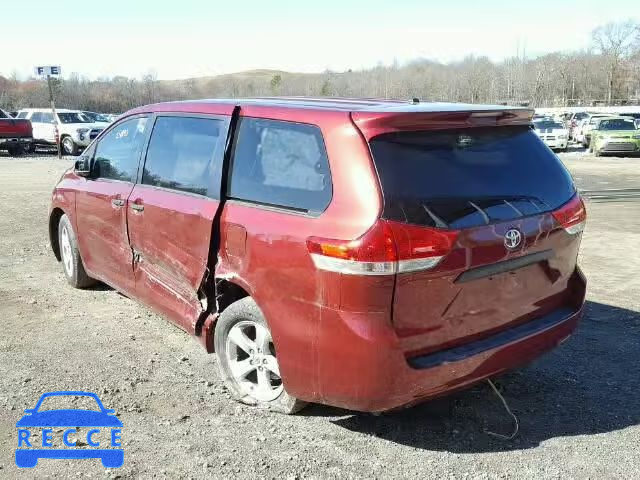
(367, 254)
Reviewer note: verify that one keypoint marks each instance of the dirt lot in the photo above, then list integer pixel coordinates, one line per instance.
(579, 407)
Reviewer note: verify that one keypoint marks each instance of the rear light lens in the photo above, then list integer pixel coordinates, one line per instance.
(374, 253)
(387, 248)
(421, 248)
(572, 216)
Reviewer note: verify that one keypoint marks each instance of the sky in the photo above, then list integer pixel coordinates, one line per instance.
(190, 38)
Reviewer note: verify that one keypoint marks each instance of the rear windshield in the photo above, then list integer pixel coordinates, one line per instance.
(469, 177)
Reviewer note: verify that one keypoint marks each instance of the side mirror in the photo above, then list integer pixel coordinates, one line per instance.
(82, 167)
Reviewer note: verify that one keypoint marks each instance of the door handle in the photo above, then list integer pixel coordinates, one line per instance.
(117, 202)
(137, 207)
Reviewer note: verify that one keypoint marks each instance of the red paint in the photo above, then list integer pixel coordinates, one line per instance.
(15, 128)
(170, 240)
(341, 339)
(102, 231)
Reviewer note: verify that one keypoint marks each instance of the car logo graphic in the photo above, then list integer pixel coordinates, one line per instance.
(512, 238)
(102, 421)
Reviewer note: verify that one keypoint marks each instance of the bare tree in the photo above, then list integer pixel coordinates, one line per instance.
(615, 41)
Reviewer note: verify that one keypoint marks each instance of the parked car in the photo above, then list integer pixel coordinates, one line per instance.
(635, 116)
(552, 132)
(16, 135)
(615, 135)
(572, 123)
(96, 117)
(585, 126)
(75, 131)
(347, 252)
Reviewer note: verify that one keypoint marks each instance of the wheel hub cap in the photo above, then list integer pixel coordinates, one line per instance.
(252, 361)
(67, 259)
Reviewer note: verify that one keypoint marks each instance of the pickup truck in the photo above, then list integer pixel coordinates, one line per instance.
(16, 134)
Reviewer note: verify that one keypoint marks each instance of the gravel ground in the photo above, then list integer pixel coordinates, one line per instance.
(578, 407)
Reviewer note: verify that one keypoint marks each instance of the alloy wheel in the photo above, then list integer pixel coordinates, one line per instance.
(252, 360)
(67, 258)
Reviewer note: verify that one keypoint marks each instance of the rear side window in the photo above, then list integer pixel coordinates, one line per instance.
(468, 177)
(184, 155)
(36, 117)
(281, 163)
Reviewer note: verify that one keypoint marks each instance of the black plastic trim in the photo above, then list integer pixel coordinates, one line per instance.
(505, 266)
(505, 337)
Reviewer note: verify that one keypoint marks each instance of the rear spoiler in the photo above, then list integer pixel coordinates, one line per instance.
(376, 123)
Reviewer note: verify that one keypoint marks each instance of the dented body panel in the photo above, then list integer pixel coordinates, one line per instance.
(347, 340)
(170, 244)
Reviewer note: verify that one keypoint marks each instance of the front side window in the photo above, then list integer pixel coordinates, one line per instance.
(185, 154)
(282, 164)
(118, 151)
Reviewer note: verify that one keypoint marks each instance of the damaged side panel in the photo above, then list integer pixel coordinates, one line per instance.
(171, 228)
(170, 241)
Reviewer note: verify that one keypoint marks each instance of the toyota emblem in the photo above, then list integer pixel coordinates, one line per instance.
(512, 238)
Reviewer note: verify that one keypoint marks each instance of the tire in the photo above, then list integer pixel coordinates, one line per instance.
(251, 376)
(32, 148)
(598, 153)
(15, 150)
(72, 265)
(69, 147)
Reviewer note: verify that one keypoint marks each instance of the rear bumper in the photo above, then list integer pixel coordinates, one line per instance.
(363, 368)
(520, 333)
(6, 141)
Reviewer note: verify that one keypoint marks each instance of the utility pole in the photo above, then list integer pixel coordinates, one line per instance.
(55, 117)
(49, 71)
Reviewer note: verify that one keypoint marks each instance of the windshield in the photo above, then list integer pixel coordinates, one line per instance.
(544, 124)
(96, 117)
(616, 124)
(581, 115)
(464, 178)
(72, 117)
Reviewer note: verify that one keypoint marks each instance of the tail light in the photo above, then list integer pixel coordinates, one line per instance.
(387, 248)
(572, 216)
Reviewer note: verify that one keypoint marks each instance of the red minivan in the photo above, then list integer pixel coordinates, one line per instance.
(367, 254)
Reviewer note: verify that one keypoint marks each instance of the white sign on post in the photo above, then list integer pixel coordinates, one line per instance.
(46, 70)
